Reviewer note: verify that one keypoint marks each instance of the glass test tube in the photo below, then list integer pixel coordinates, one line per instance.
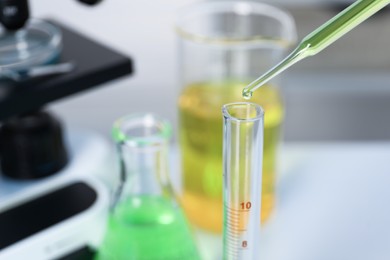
(242, 173)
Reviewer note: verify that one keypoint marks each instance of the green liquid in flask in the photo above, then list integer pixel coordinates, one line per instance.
(148, 228)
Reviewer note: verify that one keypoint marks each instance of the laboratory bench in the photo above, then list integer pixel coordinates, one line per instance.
(332, 203)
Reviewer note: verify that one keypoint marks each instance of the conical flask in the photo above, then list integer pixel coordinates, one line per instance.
(146, 221)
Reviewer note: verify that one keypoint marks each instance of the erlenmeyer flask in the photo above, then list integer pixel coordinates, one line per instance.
(145, 222)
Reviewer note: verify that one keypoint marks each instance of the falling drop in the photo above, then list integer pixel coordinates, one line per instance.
(247, 94)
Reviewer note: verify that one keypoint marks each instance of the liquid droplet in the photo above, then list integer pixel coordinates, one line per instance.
(247, 94)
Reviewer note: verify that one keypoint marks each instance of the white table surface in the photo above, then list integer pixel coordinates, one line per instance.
(333, 203)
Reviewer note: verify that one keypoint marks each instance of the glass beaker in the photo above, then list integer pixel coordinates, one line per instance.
(242, 171)
(145, 221)
(223, 46)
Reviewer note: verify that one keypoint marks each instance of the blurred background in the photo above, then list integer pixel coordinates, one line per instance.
(333, 173)
(326, 97)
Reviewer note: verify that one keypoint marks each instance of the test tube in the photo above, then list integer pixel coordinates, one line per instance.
(242, 176)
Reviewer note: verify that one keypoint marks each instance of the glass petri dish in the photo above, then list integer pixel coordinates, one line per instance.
(39, 43)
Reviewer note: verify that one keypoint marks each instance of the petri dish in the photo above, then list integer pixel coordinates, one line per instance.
(38, 43)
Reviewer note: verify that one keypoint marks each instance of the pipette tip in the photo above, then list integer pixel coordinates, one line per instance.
(246, 94)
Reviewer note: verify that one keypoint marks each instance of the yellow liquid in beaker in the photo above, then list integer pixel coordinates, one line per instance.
(201, 147)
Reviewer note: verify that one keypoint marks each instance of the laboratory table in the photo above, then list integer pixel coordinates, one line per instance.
(333, 204)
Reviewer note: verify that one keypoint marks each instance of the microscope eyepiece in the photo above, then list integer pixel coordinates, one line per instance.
(13, 13)
(90, 2)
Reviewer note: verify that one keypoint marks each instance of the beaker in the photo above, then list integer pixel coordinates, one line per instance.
(145, 221)
(242, 174)
(223, 46)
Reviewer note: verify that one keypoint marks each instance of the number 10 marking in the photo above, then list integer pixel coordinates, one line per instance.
(247, 205)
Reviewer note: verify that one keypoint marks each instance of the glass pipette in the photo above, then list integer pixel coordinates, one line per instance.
(321, 38)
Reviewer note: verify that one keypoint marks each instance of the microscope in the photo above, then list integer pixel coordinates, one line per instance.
(15, 13)
(50, 206)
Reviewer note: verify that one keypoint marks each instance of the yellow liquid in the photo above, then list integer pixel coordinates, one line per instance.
(201, 147)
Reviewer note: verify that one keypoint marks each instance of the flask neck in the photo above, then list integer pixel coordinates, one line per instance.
(144, 170)
(142, 145)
